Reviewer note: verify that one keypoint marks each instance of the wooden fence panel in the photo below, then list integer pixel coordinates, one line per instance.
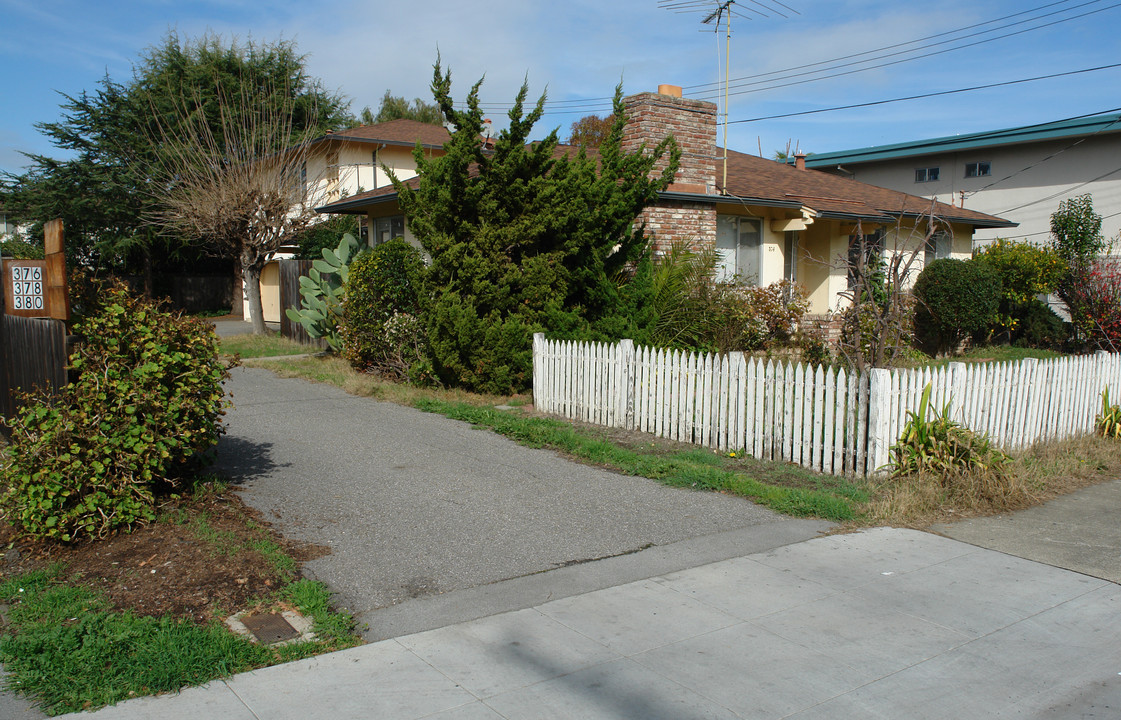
(289, 278)
(33, 355)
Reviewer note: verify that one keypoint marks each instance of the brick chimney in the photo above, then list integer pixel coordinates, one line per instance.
(651, 117)
(800, 161)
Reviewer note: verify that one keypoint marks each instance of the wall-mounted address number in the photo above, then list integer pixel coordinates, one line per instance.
(28, 291)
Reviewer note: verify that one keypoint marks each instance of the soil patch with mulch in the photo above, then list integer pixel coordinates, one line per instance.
(201, 560)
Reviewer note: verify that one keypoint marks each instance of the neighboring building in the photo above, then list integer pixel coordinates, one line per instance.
(8, 228)
(773, 221)
(1021, 173)
(353, 161)
(349, 162)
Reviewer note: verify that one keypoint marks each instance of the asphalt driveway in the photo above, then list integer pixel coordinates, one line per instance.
(414, 505)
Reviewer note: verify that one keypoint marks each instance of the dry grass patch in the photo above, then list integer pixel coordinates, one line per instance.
(338, 372)
(266, 345)
(1042, 472)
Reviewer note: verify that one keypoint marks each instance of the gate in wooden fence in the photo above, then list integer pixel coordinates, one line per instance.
(33, 354)
(821, 418)
(290, 272)
(33, 347)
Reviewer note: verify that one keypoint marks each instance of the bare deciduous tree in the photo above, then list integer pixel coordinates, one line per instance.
(240, 184)
(878, 321)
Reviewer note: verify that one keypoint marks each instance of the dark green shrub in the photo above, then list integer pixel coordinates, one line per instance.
(1038, 326)
(954, 300)
(1026, 271)
(146, 400)
(325, 236)
(381, 329)
(20, 249)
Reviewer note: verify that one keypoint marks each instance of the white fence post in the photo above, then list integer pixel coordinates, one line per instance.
(624, 372)
(539, 373)
(957, 391)
(879, 399)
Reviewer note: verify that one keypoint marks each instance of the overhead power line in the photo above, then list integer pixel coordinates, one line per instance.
(926, 95)
(896, 45)
(598, 104)
(909, 59)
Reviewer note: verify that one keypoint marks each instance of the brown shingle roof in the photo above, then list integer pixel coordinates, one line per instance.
(755, 177)
(394, 132)
(769, 181)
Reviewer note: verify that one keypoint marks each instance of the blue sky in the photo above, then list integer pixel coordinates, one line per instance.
(579, 51)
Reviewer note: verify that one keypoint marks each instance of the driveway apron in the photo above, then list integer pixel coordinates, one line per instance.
(413, 504)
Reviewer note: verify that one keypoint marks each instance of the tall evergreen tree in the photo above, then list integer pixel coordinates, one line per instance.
(524, 238)
(102, 191)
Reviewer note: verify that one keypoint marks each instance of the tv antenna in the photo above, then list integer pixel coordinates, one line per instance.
(722, 10)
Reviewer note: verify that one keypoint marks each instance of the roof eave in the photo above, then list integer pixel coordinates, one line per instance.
(727, 199)
(354, 206)
(373, 141)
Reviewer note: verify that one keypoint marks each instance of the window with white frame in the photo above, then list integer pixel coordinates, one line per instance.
(938, 246)
(926, 174)
(387, 228)
(791, 239)
(865, 253)
(978, 169)
(739, 243)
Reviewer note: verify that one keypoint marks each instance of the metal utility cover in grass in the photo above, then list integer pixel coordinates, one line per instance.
(269, 628)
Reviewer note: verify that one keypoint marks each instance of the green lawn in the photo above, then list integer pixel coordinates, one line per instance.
(268, 345)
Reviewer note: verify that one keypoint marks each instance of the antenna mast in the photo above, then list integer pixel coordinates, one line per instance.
(723, 10)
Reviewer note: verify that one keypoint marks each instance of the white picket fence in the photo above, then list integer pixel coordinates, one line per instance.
(824, 419)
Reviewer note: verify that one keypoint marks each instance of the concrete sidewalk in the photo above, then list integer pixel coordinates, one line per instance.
(885, 623)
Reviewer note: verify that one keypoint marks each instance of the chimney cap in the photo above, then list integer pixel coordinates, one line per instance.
(670, 90)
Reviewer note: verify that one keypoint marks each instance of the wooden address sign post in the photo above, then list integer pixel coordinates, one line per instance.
(37, 288)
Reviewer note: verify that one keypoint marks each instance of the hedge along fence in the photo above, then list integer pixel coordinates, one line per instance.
(821, 418)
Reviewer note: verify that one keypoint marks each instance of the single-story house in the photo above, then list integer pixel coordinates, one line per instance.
(767, 220)
(1020, 173)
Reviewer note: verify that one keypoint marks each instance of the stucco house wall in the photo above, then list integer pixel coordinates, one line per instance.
(1026, 180)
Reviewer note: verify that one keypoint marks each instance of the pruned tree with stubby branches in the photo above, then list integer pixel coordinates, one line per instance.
(878, 324)
(240, 184)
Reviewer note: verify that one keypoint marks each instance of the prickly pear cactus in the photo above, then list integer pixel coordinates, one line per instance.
(321, 293)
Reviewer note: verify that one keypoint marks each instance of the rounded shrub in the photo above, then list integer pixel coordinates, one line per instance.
(381, 329)
(954, 300)
(145, 400)
(1038, 326)
(1026, 271)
